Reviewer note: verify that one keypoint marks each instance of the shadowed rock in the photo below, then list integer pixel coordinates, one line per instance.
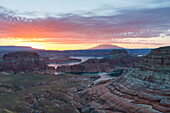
(22, 61)
(117, 59)
(157, 60)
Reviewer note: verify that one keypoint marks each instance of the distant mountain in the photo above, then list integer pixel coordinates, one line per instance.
(16, 48)
(106, 46)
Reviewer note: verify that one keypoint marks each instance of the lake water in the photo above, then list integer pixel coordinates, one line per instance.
(106, 76)
(73, 63)
(103, 75)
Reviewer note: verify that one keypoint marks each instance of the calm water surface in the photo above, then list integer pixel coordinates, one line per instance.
(106, 76)
(73, 63)
(103, 75)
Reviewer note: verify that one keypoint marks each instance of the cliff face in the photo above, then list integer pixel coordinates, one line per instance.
(22, 61)
(157, 60)
(119, 53)
(117, 59)
(137, 90)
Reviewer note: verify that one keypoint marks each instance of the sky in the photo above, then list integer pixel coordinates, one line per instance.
(82, 24)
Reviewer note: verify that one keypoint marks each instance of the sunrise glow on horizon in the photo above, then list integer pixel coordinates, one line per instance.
(55, 25)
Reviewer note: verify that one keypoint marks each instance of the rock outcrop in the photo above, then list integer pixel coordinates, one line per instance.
(137, 90)
(117, 59)
(22, 61)
(119, 53)
(157, 60)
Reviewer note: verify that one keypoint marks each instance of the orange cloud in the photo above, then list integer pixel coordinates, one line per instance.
(76, 31)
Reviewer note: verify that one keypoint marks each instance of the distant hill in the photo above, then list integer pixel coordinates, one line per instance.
(106, 46)
(16, 48)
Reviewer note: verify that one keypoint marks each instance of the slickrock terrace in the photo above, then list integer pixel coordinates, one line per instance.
(137, 90)
(157, 60)
(134, 92)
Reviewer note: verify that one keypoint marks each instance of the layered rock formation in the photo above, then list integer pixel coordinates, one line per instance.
(137, 90)
(157, 60)
(117, 59)
(119, 53)
(22, 61)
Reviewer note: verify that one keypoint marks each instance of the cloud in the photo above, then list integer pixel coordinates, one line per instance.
(86, 27)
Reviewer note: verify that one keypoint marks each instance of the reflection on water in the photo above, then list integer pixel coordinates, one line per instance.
(106, 76)
(86, 58)
(73, 63)
(56, 65)
(103, 75)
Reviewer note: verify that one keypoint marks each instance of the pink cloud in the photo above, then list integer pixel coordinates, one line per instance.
(78, 29)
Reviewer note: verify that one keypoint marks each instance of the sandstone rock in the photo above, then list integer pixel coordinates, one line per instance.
(22, 61)
(20, 88)
(118, 59)
(137, 90)
(73, 90)
(157, 60)
(117, 53)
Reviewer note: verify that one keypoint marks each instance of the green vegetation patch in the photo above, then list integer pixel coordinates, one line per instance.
(12, 100)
